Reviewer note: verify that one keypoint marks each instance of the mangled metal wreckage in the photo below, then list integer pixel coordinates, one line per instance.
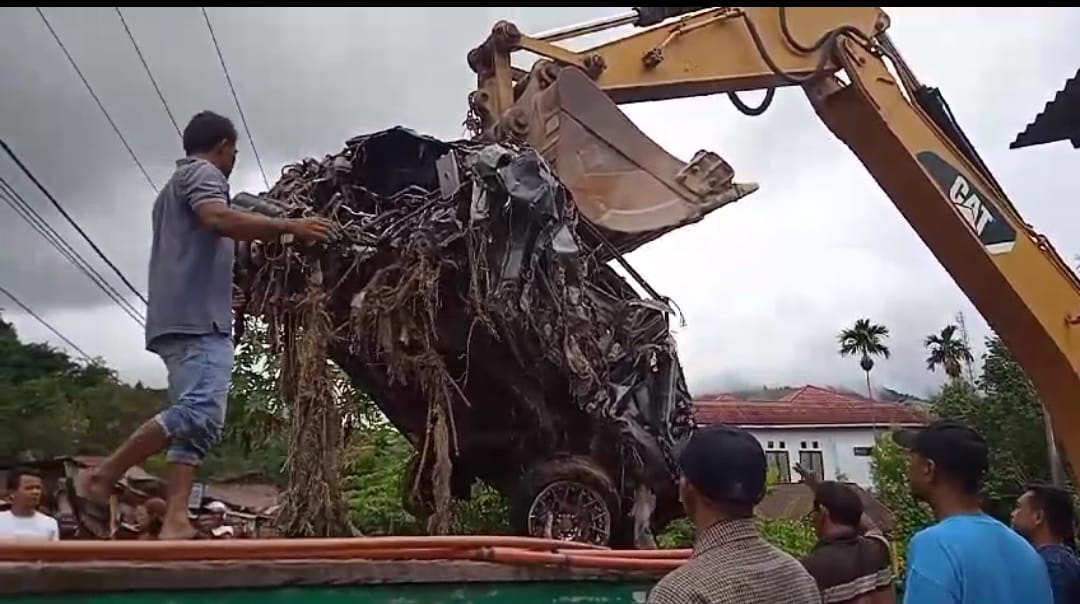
(463, 293)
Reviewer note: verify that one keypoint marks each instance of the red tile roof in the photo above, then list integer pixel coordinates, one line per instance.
(809, 405)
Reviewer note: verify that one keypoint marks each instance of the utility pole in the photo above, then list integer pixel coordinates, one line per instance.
(1057, 470)
(967, 344)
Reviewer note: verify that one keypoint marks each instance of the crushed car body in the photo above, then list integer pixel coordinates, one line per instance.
(467, 296)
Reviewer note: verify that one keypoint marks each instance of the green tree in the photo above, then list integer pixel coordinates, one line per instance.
(888, 466)
(374, 489)
(255, 413)
(54, 406)
(1006, 411)
(947, 351)
(21, 362)
(866, 341)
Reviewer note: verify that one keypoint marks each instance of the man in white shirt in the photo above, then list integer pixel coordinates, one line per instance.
(23, 521)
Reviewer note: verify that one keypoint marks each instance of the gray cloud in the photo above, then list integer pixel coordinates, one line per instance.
(765, 284)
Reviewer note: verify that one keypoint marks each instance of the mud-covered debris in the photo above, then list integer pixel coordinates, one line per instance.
(459, 295)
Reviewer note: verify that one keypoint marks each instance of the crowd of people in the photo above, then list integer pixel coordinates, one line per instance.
(966, 557)
(26, 520)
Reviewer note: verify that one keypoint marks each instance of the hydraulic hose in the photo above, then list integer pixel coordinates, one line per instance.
(494, 549)
(507, 555)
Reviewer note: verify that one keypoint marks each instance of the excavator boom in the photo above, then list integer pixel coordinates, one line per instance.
(631, 190)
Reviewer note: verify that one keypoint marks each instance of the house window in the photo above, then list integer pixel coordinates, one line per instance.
(812, 460)
(862, 451)
(769, 446)
(783, 445)
(815, 445)
(802, 445)
(778, 465)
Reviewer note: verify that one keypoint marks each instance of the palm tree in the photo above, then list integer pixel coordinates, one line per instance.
(864, 339)
(947, 351)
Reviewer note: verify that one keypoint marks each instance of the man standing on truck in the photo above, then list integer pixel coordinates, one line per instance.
(189, 314)
(968, 557)
(722, 477)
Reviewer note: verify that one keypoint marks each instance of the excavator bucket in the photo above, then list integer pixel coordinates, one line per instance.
(623, 182)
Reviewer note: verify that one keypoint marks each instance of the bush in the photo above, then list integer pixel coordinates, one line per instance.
(795, 537)
(888, 466)
(374, 490)
(678, 534)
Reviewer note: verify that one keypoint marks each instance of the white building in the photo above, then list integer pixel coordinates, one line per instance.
(826, 430)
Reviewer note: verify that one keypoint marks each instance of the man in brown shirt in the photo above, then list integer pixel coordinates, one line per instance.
(722, 478)
(851, 565)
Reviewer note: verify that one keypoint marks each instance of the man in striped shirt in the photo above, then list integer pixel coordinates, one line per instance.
(722, 478)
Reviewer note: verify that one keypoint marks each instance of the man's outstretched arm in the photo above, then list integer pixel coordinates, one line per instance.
(215, 215)
(205, 190)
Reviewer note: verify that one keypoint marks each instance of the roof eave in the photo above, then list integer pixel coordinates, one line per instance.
(1058, 121)
(810, 426)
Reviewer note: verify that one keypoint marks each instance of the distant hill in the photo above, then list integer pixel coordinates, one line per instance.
(773, 393)
(895, 396)
(765, 393)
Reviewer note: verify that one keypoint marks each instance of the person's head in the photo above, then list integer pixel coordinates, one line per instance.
(213, 138)
(721, 474)
(945, 458)
(1044, 514)
(155, 507)
(217, 511)
(149, 514)
(25, 487)
(836, 507)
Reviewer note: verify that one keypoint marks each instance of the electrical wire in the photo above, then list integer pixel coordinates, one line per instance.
(97, 100)
(38, 223)
(31, 312)
(236, 99)
(43, 228)
(149, 73)
(70, 220)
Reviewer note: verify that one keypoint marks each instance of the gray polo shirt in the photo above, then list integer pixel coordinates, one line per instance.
(191, 268)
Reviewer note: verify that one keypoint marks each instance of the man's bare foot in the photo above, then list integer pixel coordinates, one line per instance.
(177, 530)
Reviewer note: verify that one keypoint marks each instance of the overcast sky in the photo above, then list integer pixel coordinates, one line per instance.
(765, 284)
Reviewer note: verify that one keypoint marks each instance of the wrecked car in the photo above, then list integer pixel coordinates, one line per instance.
(466, 295)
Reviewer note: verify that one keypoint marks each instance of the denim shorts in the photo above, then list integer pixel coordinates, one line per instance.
(200, 374)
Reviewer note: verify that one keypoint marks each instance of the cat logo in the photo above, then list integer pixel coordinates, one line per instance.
(977, 209)
(969, 204)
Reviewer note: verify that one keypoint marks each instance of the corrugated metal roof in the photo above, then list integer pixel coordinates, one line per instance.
(1058, 121)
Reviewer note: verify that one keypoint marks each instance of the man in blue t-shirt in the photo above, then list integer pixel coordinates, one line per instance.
(1044, 515)
(967, 557)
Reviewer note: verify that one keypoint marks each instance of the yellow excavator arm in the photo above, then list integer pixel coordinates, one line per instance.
(631, 191)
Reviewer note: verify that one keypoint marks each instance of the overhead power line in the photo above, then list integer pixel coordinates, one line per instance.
(149, 73)
(236, 99)
(70, 220)
(30, 312)
(97, 100)
(39, 224)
